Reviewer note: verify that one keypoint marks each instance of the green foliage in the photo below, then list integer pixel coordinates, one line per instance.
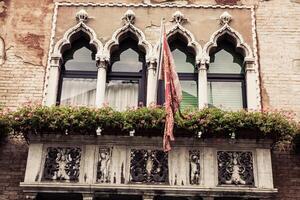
(5, 126)
(211, 122)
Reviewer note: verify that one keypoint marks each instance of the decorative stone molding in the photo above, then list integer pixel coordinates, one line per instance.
(137, 5)
(129, 17)
(103, 170)
(194, 167)
(65, 42)
(148, 166)
(82, 16)
(240, 44)
(128, 27)
(225, 18)
(62, 164)
(235, 168)
(178, 19)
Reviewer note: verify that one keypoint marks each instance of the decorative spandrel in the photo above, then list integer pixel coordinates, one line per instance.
(194, 167)
(62, 164)
(104, 162)
(149, 166)
(235, 168)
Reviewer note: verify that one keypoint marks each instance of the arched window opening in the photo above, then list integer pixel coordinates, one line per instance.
(126, 77)
(78, 77)
(226, 77)
(184, 59)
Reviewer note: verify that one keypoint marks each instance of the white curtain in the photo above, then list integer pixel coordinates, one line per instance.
(78, 92)
(121, 95)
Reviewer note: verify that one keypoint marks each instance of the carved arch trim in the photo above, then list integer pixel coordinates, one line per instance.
(191, 41)
(65, 42)
(240, 44)
(115, 40)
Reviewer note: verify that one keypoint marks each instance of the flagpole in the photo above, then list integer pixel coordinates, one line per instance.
(160, 60)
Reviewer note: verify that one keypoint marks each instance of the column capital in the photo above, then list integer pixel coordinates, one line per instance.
(202, 66)
(55, 61)
(102, 64)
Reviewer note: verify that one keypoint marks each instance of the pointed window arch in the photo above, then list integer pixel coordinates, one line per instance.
(185, 62)
(226, 76)
(126, 77)
(78, 78)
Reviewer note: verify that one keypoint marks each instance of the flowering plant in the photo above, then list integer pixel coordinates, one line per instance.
(208, 122)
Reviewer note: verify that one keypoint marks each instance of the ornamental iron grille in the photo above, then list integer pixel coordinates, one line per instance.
(194, 167)
(149, 166)
(235, 168)
(62, 164)
(103, 169)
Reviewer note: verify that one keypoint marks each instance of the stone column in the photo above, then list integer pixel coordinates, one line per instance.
(151, 83)
(252, 101)
(202, 85)
(101, 83)
(52, 88)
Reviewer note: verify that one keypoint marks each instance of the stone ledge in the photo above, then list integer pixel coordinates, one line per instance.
(99, 189)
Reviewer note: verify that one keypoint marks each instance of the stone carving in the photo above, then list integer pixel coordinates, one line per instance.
(62, 164)
(194, 167)
(178, 17)
(225, 18)
(129, 17)
(235, 168)
(82, 15)
(128, 27)
(236, 36)
(103, 171)
(178, 28)
(148, 166)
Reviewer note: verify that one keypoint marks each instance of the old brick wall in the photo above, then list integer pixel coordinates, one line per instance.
(278, 29)
(286, 172)
(25, 27)
(13, 155)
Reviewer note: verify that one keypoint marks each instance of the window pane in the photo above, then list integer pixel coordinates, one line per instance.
(189, 94)
(183, 62)
(121, 94)
(226, 60)
(227, 95)
(78, 91)
(129, 62)
(81, 61)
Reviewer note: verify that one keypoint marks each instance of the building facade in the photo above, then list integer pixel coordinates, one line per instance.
(228, 54)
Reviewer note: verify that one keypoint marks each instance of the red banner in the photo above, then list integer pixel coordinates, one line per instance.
(173, 93)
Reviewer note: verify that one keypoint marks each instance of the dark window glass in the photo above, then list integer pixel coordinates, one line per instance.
(126, 78)
(226, 78)
(78, 75)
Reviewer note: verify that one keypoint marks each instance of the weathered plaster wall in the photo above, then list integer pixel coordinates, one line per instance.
(25, 28)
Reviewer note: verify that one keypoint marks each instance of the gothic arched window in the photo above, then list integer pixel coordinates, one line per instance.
(78, 77)
(184, 59)
(126, 77)
(226, 77)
